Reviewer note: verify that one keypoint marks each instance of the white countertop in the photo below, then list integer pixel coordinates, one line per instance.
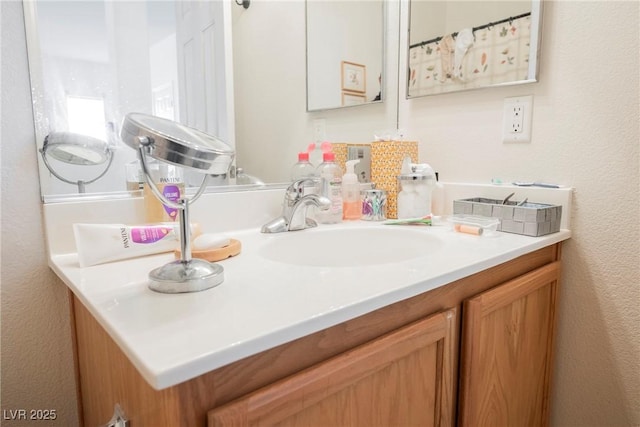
(264, 303)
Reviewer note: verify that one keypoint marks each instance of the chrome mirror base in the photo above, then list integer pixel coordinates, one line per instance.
(186, 276)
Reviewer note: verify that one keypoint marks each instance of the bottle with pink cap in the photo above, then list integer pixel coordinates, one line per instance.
(331, 187)
(316, 150)
(302, 169)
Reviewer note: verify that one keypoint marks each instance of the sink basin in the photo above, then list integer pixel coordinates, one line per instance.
(350, 247)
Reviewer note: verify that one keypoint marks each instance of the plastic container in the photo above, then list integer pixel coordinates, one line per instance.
(476, 225)
(135, 176)
(374, 205)
(351, 200)
(437, 199)
(303, 168)
(331, 187)
(415, 186)
(169, 180)
(413, 199)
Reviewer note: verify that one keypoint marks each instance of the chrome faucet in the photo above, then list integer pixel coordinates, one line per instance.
(294, 209)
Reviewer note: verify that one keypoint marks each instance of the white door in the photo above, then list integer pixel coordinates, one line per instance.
(204, 66)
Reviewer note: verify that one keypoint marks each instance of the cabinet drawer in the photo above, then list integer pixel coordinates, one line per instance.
(402, 378)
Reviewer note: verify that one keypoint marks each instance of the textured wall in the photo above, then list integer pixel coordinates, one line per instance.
(37, 359)
(585, 134)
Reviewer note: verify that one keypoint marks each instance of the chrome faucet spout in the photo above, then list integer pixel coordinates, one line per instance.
(298, 217)
(294, 210)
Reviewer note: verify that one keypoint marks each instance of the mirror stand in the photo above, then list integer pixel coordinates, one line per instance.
(186, 274)
(179, 145)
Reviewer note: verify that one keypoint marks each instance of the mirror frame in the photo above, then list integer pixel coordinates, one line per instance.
(534, 59)
(383, 65)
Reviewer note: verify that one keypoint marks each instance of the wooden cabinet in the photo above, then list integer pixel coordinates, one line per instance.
(403, 378)
(507, 349)
(477, 351)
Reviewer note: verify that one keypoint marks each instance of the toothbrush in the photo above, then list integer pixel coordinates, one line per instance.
(426, 220)
(535, 184)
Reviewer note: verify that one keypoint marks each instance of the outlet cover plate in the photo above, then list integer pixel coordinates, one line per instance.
(516, 122)
(319, 130)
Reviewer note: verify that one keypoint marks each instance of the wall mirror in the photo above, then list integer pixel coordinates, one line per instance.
(345, 53)
(92, 62)
(461, 45)
(239, 74)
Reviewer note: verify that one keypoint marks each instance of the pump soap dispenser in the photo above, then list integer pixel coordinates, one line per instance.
(352, 204)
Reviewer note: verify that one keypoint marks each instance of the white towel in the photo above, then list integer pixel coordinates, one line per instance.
(464, 40)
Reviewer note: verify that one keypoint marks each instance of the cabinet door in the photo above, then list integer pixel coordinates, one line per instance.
(404, 378)
(506, 352)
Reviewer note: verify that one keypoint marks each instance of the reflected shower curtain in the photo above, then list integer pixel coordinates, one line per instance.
(498, 54)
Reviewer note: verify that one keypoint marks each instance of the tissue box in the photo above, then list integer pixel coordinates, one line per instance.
(530, 219)
(341, 150)
(347, 151)
(386, 162)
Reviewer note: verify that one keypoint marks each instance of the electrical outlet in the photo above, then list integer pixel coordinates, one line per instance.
(516, 120)
(319, 130)
(516, 125)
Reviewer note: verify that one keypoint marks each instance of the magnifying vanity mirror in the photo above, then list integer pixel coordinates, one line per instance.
(179, 145)
(462, 45)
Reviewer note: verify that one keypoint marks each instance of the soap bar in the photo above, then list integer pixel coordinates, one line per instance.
(208, 241)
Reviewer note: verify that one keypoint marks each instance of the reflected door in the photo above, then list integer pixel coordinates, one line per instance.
(201, 50)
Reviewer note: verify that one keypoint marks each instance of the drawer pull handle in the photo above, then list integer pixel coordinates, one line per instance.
(118, 419)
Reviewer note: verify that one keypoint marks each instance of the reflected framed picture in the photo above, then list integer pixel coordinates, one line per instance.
(350, 98)
(354, 77)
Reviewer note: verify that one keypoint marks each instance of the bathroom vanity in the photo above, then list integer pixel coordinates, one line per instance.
(478, 350)
(460, 333)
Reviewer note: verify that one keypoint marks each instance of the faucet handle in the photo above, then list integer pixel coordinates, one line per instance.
(297, 186)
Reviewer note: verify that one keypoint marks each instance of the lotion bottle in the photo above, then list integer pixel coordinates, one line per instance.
(169, 180)
(330, 187)
(351, 203)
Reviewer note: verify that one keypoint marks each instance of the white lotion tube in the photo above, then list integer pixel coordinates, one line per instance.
(100, 243)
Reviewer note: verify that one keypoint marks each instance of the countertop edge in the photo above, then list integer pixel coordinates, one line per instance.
(161, 379)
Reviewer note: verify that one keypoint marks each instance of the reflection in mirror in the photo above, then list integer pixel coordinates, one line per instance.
(93, 62)
(345, 51)
(460, 45)
(76, 149)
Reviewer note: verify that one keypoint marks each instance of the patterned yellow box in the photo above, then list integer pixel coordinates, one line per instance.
(340, 149)
(386, 162)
